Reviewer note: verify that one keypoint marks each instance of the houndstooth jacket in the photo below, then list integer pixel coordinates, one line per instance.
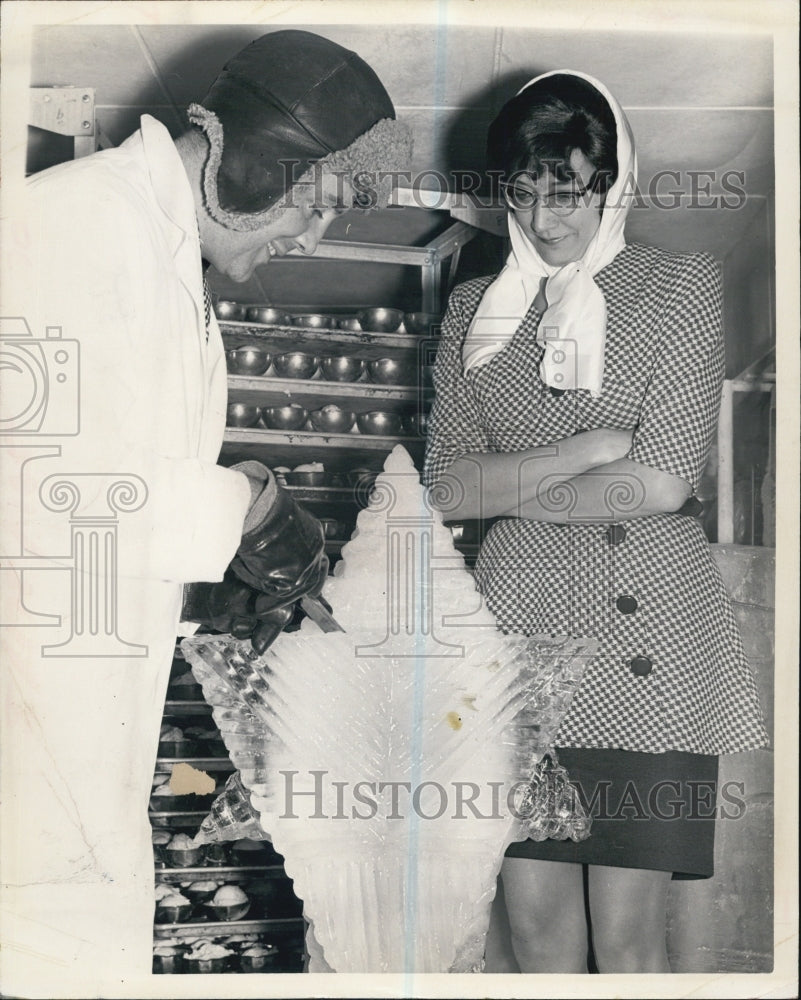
(671, 673)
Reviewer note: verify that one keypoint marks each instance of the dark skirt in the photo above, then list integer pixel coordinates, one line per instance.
(654, 811)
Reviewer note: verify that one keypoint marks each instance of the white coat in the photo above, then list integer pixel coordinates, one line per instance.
(107, 249)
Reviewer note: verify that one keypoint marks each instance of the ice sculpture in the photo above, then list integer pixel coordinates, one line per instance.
(393, 763)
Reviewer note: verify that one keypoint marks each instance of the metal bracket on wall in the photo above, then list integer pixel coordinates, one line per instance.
(66, 111)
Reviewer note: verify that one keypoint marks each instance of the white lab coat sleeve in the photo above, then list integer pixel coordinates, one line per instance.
(95, 262)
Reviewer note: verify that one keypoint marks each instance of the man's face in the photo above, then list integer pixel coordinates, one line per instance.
(311, 210)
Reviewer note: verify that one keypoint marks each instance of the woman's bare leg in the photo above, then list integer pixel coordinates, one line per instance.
(545, 906)
(628, 914)
(499, 955)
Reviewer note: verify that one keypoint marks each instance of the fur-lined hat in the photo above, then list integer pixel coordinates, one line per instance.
(288, 107)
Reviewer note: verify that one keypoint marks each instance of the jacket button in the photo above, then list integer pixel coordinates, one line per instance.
(615, 534)
(626, 604)
(640, 666)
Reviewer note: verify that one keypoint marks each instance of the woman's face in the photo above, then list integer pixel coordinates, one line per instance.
(560, 239)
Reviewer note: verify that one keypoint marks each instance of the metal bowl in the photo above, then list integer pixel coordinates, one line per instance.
(267, 315)
(350, 323)
(380, 320)
(200, 895)
(419, 323)
(242, 415)
(341, 369)
(177, 748)
(258, 963)
(362, 477)
(379, 422)
(166, 801)
(252, 852)
(284, 418)
(391, 371)
(415, 424)
(184, 857)
(160, 839)
(168, 964)
(331, 419)
(305, 478)
(315, 321)
(230, 311)
(173, 914)
(217, 854)
(296, 364)
(232, 912)
(247, 361)
(210, 965)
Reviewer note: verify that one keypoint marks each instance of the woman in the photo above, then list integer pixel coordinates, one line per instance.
(576, 398)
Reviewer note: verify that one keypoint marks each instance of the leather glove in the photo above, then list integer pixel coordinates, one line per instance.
(232, 606)
(281, 557)
(282, 552)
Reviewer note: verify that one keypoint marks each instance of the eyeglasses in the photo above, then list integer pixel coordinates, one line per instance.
(524, 199)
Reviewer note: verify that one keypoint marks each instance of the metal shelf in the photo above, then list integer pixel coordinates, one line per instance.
(312, 394)
(186, 707)
(325, 494)
(221, 928)
(216, 873)
(323, 342)
(430, 258)
(166, 818)
(201, 763)
(338, 452)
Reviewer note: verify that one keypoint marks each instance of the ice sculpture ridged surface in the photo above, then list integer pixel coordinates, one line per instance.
(392, 764)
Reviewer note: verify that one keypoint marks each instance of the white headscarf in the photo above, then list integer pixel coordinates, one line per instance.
(573, 327)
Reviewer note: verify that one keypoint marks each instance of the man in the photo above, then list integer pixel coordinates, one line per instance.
(112, 250)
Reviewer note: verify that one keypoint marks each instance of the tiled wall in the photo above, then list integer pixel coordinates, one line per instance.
(695, 101)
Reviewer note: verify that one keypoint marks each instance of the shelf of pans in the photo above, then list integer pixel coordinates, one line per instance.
(321, 341)
(339, 452)
(209, 928)
(285, 927)
(312, 394)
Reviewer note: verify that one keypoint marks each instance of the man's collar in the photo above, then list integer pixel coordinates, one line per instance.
(169, 179)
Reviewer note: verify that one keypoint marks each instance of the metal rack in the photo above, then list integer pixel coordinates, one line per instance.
(283, 922)
(339, 450)
(430, 258)
(758, 377)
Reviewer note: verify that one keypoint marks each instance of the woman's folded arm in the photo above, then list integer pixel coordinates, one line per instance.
(616, 491)
(482, 485)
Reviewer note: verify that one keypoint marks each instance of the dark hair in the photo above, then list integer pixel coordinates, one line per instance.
(539, 129)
